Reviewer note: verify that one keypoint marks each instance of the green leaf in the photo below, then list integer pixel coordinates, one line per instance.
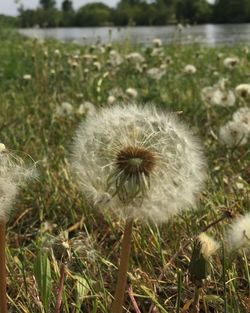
(42, 272)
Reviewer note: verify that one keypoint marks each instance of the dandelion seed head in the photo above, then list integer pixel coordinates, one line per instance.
(234, 133)
(13, 175)
(238, 235)
(138, 162)
(190, 69)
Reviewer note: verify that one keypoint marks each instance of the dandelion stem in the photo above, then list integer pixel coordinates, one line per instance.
(123, 268)
(196, 302)
(60, 288)
(3, 299)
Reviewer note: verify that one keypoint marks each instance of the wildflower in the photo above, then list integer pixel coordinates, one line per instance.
(13, 175)
(57, 53)
(132, 92)
(208, 246)
(230, 63)
(138, 162)
(234, 133)
(190, 69)
(27, 77)
(64, 109)
(238, 235)
(86, 108)
(243, 90)
(157, 42)
(156, 73)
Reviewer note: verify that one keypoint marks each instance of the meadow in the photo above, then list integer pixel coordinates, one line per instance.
(46, 89)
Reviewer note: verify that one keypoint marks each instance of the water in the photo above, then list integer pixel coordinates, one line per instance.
(205, 34)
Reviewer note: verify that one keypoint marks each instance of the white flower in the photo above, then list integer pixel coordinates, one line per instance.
(156, 73)
(243, 90)
(234, 133)
(138, 162)
(132, 92)
(208, 245)
(57, 52)
(135, 58)
(86, 108)
(238, 235)
(13, 174)
(231, 63)
(27, 77)
(64, 109)
(157, 42)
(242, 115)
(190, 69)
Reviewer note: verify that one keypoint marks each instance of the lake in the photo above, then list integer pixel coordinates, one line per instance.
(208, 34)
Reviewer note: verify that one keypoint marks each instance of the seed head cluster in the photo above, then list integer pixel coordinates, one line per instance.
(13, 174)
(138, 162)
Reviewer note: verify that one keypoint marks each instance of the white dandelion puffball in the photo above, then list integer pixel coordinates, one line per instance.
(238, 235)
(231, 63)
(138, 162)
(234, 133)
(13, 174)
(190, 69)
(243, 90)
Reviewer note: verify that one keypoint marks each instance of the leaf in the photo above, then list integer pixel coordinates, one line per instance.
(82, 289)
(42, 272)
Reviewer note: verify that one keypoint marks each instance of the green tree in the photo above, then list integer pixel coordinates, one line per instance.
(47, 4)
(67, 6)
(93, 14)
(232, 11)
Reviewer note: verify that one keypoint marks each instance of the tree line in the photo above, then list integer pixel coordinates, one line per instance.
(135, 12)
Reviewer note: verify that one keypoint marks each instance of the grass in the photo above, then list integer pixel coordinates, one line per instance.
(52, 211)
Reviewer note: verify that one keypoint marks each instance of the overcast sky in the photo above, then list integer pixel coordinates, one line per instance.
(9, 7)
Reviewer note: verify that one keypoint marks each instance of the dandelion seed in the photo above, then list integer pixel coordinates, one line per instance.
(238, 235)
(138, 162)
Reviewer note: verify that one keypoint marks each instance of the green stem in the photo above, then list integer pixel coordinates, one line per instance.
(123, 268)
(3, 298)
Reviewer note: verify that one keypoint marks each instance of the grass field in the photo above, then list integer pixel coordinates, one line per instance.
(51, 222)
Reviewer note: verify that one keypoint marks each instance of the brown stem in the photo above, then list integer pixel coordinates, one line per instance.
(3, 297)
(132, 298)
(60, 288)
(196, 302)
(123, 268)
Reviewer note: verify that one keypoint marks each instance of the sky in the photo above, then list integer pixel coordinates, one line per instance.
(9, 7)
